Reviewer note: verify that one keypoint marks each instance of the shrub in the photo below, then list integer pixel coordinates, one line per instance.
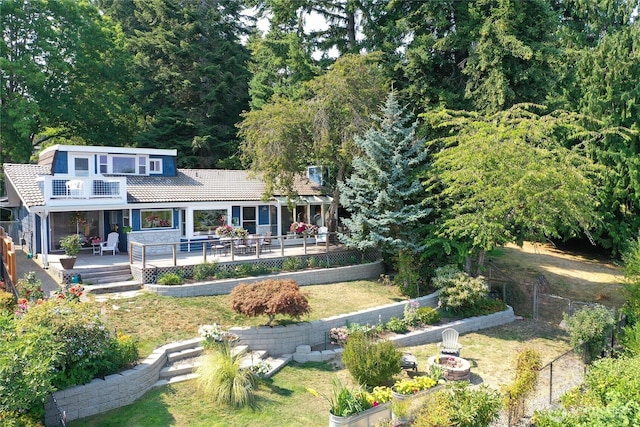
(30, 287)
(269, 297)
(458, 290)
(527, 368)
(6, 301)
(630, 338)
(204, 270)
(608, 397)
(223, 380)
(88, 348)
(170, 279)
(292, 264)
(371, 363)
(428, 315)
(27, 359)
(460, 406)
(410, 317)
(590, 326)
(396, 325)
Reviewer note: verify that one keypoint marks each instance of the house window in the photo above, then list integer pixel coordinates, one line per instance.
(317, 174)
(206, 221)
(142, 165)
(122, 164)
(157, 219)
(103, 164)
(81, 166)
(155, 166)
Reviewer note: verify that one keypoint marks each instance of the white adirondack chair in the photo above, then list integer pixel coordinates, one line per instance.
(111, 244)
(449, 344)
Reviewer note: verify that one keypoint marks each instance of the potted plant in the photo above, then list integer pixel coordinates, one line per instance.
(71, 246)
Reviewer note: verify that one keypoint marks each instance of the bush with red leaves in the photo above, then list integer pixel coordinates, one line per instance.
(269, 297)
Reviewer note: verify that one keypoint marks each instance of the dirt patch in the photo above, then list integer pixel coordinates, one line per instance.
(578, 276)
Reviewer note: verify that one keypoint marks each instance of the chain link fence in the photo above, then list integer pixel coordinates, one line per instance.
(533, 300)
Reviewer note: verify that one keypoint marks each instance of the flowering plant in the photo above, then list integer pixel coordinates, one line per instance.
(224, 231)
(414, 385)
(94, 239)
(72, 293)
(304, 228)
(338, 335)
(240, 232)
(215, 334)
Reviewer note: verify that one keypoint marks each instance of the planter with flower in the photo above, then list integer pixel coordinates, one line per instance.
(303, 229)
(224, 231)
(355, 407)
(408, 388)
(71, 246)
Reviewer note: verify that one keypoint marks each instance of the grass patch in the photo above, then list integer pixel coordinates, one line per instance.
(280, 401)
(284, 401)
(155, 320)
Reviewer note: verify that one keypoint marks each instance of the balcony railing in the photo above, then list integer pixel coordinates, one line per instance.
(71, 190)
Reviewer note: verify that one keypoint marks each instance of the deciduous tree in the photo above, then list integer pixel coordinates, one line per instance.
(269, 297)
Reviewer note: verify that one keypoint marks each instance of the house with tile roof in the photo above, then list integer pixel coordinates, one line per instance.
(141, 194)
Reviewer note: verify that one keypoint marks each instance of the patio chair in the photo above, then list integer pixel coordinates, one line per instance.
(239, 246)
(265, 242)
(250, 243)
(323, 232)
(449, 344)
(111, 244)
(217, 246)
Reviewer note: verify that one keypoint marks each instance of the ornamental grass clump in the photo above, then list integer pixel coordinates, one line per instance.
(222, 380)
(345, 402)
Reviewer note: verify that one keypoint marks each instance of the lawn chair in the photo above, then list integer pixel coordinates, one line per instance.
(323, 232)
(111, 244)
(449, 344)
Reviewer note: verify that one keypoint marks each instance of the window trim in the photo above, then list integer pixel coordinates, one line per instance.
(144, 214)
(158, 166)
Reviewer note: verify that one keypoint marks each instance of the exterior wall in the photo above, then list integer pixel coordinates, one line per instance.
(303, 278)
(155, 236)
(126, 387)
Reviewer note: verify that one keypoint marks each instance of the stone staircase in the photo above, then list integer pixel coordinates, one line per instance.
(183, 361)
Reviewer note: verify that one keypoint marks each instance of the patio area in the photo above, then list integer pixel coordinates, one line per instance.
(192, 254)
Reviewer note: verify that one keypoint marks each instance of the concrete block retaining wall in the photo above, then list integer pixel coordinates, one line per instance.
(285, 339)
(113, 392)
(303, 278)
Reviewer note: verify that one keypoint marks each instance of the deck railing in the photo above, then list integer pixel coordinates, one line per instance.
(260, 245)
(100, 189)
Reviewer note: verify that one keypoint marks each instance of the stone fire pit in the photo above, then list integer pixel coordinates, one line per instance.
(455, 368)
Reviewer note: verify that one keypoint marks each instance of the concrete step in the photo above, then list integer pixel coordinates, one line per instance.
(277, 363)
(106, 288)
(185, 354)
(177, 369)
(251, 358)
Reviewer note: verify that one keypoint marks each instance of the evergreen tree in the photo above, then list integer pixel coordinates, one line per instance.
(192, 74)
(383, 194)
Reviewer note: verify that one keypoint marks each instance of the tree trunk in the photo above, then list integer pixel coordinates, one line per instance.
(480, 267)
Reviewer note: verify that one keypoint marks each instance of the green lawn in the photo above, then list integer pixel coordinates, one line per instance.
(155, 320)
(284, 401)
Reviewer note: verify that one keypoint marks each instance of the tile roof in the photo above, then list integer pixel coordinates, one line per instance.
(200, 185)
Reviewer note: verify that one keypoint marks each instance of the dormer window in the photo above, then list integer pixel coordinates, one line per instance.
(155, 166)
(81, 166)
(123, 164)
(316, 174)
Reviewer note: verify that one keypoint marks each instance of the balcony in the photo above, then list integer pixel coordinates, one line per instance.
(59, 191)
